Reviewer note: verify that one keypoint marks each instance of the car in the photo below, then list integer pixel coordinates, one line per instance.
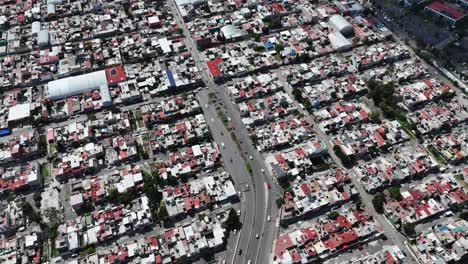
(247, 187)
(448, 213)
(268, 218)
(257, 236)
(222, 144)
(74, 255)
(235, 231)
(212, 120)
(263, 171)
(268, 186)
(240, 194)
(250, 157)
(238, 212)
(239, 252)
(206, 106)
(21, 229)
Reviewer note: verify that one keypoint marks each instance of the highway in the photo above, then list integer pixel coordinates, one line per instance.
(259, 202)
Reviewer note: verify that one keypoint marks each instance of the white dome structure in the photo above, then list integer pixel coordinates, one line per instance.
(232, 32)
(66, 87)
(340, 24)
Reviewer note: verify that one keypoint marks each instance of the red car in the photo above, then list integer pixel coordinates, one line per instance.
(268, 185)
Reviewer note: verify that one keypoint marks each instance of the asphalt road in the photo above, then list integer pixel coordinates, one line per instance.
(260, 201)
(391, 233)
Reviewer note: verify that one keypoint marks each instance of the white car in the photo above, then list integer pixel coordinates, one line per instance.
(212, 120)
(238, 212)
(257, 236)
(250, 157)
(263, 171)
(222, 145)
(268, 218)
(206, 106)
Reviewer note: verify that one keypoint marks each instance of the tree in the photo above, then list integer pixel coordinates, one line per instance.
(162, 212)
(279, 47)
(463, 215)
(126, 198)
(88, 251)
(257, 37)
(37, 199)
(91, 117)
(374, 116)
(29, 213)
(333, 215)
(378, 202)
(409, 229)
(172, 181)
(53, 216)
(279, 202)
(394, 193)
(232, 221)
(113, 195)
(446, 95)
(297, 93)
(341, 155)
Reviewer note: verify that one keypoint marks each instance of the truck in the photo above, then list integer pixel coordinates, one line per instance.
(5, 132)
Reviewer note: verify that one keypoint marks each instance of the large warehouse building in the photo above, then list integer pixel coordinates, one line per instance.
(341, 25)
(100, 80)
(338, 41)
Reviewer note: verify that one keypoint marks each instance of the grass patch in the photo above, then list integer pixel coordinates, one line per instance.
(408, 126)
(223, 118)
(460, 180)
(139, 119)
(45, 172)
(233, 136)
(51, 149)
(248, 167)
(434, 153)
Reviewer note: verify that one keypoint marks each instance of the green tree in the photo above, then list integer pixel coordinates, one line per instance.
(464, 215)
(162, 212)
(113, 195)
(378, 202)
(374, 116)
(172, 181)
(446, 95)
(279, 47)
(341, 155)
(29, 213)
(333, 215)
(409, 229)
(88, 251)
(279, 202)
(232, 221)
(394, 193)
(126, 198)
(37, 199)
(257, 37)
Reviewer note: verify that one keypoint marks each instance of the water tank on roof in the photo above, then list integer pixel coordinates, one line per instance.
(43, 38)
(35, 27)
(341, 25)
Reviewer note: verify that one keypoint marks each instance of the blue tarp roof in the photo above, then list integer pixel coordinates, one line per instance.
(170, 77)
(268, 45)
